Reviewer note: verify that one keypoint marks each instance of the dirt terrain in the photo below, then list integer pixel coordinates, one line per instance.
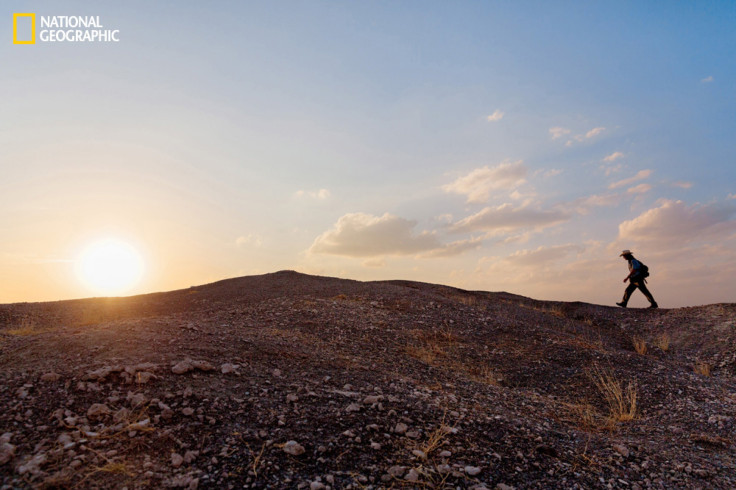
(293, 381)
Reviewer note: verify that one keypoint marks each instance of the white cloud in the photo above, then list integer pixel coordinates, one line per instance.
(506, 218)
(479, 183)
(707, 79)
(558, 132)
(376, 262)
(642, 174)
(674, 222)
(585, 204)
(454, 248)
(250, 240)
(365, 235)
(594, 132)
(542, 255)
(496, 116)
(639, 189)
(321, 194)
(613, 156)
(579, 137)
(611, 169)
(682, 184)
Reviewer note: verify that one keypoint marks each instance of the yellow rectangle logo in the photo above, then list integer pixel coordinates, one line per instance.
(33, 29)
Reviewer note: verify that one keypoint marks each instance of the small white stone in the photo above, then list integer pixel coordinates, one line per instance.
(293, 448)
(472, 470)
(176, 460)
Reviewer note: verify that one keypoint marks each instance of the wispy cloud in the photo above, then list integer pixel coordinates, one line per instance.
(506, 218)
(707, 79)
(641, 174)
(585, 204)
(594, 132)
(478, 184)
(682, 184)
(613, 156)
(320, 194)
(454, 248)
(558, 132)
(639, 189)
(675, 222)
(542, 255)
(365, 235)
(496, 116)
(579, 138)
(249, 240)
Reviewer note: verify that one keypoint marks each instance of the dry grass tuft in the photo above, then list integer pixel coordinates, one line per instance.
(702, 368)
(431, 345)
(622, 401)
(427, 353)
(26, 327)
(662, 342)
(483, 374)
(467, 300)
(586, 416)
(117, 468)
(436, 438)
(640, 345)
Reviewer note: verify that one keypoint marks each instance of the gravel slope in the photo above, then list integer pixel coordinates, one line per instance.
(293, 381)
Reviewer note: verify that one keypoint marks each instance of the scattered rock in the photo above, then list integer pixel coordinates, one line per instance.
(143, 377)
(98, 410)
(622, 450)
(50, 377)
(176, 460)
(7, 450)
(228, 368)
(412, 476)
(182, 367)
(293, 448)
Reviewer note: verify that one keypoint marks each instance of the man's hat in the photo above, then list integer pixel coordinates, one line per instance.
(625, 252)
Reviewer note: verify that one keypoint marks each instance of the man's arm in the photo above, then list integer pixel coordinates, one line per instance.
(635, 266)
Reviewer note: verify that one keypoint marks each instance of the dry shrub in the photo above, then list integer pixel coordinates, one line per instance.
(431, 345)
(640, 345)
(588, 341)
(436, 438)
(586, 416)
(702, 368)
(27, 326)
(427, 353)
(621, 401)
(662, 342)
(467, 300)
(480, 374)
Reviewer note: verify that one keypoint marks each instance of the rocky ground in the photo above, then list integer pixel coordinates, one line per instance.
(294, 381)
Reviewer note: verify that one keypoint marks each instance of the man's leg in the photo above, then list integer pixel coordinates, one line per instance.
(627, 294)
(643, 288)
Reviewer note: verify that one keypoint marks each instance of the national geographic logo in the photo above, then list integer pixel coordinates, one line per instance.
(62, 29)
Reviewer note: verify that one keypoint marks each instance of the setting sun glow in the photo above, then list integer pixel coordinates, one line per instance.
(110, 267)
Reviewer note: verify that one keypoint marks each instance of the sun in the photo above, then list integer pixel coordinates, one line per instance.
(110, 267)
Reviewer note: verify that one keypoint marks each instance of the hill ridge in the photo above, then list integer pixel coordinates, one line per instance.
(288, 380)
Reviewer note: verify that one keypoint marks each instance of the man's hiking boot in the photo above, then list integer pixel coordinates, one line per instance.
(622, 305)
(653, 305)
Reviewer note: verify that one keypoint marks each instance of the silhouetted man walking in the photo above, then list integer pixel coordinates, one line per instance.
(637, 279)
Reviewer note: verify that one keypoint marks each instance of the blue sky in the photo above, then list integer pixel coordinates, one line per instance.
(513, 146)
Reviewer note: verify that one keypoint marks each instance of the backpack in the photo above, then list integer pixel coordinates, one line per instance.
(643, 271)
